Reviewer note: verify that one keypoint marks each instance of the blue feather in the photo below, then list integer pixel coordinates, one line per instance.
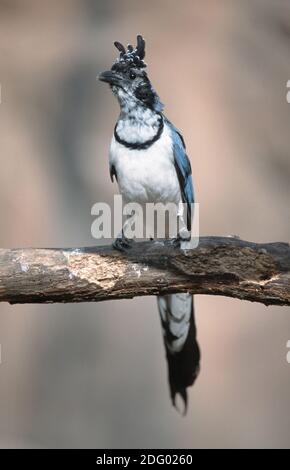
(183, 170)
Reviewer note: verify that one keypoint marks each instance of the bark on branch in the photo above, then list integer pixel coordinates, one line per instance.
(219, 266)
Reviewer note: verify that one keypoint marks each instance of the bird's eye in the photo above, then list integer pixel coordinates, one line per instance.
(132, 75)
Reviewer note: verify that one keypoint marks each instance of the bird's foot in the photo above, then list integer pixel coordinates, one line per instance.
(175, 242)
(123, 243)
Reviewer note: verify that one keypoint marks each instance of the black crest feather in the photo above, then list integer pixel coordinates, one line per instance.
(140, 47)
(132, 56)
(120, 47)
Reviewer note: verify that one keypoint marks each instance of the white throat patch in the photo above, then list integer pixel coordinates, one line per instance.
(139, 126)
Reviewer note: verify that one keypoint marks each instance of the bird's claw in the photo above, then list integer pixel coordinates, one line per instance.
(123, 243)
(176, 242)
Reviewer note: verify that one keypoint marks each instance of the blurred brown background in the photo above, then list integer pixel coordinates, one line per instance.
(94, 375)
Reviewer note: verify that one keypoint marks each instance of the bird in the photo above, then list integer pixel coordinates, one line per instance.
(148, 160)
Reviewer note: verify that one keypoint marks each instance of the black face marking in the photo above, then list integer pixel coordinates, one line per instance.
(133, 86)
(146, 94)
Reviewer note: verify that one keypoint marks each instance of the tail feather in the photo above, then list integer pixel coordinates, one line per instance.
(182, 350)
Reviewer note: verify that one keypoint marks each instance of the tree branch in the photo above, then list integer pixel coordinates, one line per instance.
(219, 266)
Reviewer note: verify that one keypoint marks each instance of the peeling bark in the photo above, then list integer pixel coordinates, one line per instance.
(218, 266)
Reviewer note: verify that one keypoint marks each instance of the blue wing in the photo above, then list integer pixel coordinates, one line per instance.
(183, 170)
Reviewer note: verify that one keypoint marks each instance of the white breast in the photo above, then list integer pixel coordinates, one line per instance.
(147, 175)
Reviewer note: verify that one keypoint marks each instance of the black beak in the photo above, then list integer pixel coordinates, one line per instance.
(110, 77)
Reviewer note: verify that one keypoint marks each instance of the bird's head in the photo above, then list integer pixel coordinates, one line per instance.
(128, 79)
